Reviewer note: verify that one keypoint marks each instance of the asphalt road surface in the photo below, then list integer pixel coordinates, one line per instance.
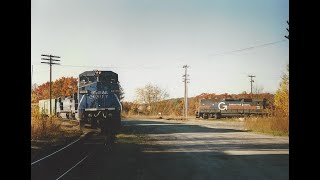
(162, 149)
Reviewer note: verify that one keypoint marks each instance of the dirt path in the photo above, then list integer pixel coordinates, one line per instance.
(216, 150)
(162, 149)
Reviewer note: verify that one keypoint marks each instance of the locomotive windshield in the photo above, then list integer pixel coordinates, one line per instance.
(98, 76)
(86, 80)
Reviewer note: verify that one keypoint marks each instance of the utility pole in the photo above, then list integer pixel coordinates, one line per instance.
(50, 63)
(288, 31)
(185, 80)
(31, 77)
(251, 81)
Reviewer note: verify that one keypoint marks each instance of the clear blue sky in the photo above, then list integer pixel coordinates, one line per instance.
(150, 40)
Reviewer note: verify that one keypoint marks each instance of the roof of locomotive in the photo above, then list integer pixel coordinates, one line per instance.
(92, 73)
(231, 99)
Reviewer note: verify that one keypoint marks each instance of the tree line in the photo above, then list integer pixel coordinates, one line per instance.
(147, 103)
(152, 100)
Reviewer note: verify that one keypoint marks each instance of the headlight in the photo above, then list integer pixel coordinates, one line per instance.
(110, 114)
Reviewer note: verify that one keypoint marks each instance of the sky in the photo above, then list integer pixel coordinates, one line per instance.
(149, 41)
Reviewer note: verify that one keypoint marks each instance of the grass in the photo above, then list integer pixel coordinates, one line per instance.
(131, 135)
(275, 125)
(50, 129)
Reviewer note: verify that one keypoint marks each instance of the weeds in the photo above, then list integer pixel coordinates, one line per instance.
(276, 125)
(46, 128)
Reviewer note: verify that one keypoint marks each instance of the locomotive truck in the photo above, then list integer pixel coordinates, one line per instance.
(218, 108)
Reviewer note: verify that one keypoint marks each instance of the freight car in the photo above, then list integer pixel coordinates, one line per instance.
(62, 107)
(44, 107)
(67, 107)
(218, 108)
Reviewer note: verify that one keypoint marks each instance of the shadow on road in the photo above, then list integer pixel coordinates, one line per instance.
(152, 127)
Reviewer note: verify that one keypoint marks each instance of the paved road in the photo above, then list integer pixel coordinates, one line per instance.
(188, 150)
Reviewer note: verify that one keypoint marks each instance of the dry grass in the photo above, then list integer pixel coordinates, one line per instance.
(276, 125)
(46, 128)
(132, 135)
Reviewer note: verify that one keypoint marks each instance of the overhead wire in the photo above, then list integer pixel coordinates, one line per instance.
(248, 48)
(156, 67)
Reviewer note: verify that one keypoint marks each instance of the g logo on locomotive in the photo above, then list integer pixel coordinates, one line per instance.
(224, 107)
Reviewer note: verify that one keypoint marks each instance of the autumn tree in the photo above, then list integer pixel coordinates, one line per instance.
(65, 86)
(41, 92)
(151, 95)
(281, 98)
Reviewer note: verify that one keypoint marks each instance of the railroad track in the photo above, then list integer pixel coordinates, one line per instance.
(58, 164)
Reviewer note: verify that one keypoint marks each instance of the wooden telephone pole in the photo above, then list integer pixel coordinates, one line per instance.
(50, 63)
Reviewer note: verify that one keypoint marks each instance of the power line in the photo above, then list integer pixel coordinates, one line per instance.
(81, 66)
(110, 67)
(89, 66)
(248, 48)
(157, 67)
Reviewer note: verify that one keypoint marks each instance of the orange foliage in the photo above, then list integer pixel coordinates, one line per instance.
(64, 86)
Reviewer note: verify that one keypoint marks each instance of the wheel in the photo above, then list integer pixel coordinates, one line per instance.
(217, 115)
(205, 116)
(113, 138)
(109, 139)
(94, 123)
(197, 115)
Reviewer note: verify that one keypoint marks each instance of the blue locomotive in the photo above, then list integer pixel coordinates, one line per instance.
(97, 99)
